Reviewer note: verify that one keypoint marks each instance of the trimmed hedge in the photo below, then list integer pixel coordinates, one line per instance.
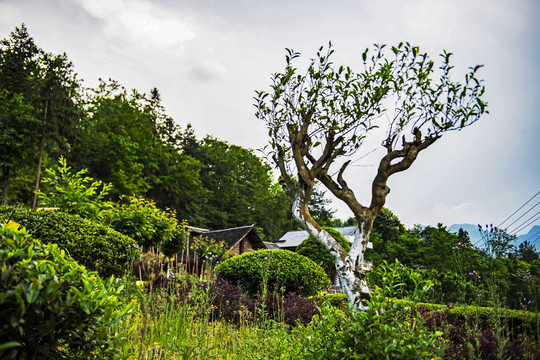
(51, 306)
(518, 321)
(283, 270)
(338, 300)
(93, 245)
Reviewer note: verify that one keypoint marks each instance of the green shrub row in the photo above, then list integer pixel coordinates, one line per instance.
(518, 321)
(93, 245)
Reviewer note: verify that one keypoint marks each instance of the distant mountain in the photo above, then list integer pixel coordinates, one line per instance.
(533, 235)
(474, 234)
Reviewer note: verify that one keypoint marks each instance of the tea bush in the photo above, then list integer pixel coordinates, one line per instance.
(386, 330)
(338, 300)
(51, 306)
(93, 245)
(399, 281)
(277, 270)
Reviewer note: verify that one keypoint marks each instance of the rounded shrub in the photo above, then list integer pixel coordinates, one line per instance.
(275, 270)
(314, 250)
(93, 245)
(50, 306)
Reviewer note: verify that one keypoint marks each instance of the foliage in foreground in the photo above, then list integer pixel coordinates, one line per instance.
(93, 245)
(384, 331)
(51, 306)
(276, 270)
(165, 327)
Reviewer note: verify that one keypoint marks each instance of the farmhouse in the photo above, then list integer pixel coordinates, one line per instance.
(239, 239)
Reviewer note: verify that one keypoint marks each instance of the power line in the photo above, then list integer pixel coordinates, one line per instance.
(485, 234)
(523, 215)
(519, 209)
(526, 223)
(534, 235)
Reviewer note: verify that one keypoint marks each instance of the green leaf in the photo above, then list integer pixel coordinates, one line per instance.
(9, 345)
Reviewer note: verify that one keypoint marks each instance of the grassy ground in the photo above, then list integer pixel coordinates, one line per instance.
(159, 328)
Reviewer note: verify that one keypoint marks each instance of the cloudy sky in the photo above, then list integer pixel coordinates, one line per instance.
(207, 57)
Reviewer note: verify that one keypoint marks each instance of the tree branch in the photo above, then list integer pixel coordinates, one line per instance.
(408, 153)
(286, 182)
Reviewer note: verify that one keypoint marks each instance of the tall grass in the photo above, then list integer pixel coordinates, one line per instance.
(162, 327)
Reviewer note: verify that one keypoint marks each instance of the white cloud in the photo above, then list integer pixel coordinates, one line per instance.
(206, 70)
(449, 214)
(102, 9)
(139, 22)
(160, 32)
(462, 207)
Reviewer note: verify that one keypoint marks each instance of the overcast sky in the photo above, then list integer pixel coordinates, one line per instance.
(207, 58)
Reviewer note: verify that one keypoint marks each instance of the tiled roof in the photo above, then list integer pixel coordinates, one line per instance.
(231, 236)
(271, 245)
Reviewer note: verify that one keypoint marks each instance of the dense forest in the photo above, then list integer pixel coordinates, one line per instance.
(126, 140)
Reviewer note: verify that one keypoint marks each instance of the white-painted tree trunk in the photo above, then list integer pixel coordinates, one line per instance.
(351, 268)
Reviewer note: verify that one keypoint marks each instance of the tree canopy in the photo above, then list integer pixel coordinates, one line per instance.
(125, 138)
(318, 119)
(48, 84)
